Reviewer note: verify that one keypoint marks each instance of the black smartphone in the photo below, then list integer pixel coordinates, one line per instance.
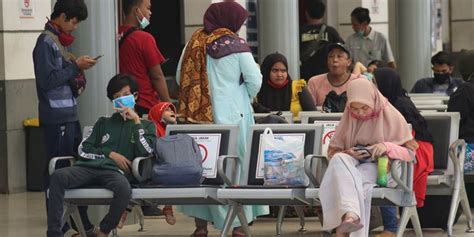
(363, 151)
(100, 56)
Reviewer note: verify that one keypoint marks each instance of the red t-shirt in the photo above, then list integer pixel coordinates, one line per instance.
(138, 54)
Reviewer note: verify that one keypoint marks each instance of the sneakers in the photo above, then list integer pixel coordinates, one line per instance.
(386, 233)
(89, 233)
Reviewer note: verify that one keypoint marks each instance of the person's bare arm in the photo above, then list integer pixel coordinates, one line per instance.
(159, 83)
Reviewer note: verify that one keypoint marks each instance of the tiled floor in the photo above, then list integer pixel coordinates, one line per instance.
(23, 215)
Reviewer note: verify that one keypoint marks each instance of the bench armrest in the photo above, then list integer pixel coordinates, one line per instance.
(222, 171)
(457, 154)
(308, 168)
(54, 161)
(404, 179)
(145, 172)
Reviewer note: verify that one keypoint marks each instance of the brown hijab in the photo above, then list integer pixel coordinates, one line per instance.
(386, 124)
(217, 39)
(230, 15)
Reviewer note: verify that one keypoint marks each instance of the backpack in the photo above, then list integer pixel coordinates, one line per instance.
(126, 34)
(271, 118)
(311, 47)
(178, 161)
(335, 103)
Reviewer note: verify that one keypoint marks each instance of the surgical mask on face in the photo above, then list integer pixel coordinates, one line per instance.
(124, 101)
(143, 22)
(440, 78)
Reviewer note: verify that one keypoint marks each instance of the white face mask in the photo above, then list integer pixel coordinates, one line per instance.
(143, 22)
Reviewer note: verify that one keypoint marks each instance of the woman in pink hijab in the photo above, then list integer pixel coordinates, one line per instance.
(346, 190)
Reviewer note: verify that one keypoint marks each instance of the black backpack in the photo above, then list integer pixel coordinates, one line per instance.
(335, 103)
(310, 48)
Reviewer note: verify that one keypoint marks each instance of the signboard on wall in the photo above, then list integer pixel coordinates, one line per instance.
(26, 8)
(209, 145)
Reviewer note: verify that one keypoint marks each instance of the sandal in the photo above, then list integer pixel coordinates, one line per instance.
(71, 233)
(169, 217)
(202, 234)
(238, 232)
(349, 225)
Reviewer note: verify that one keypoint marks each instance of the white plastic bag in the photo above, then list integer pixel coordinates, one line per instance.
(283, 159)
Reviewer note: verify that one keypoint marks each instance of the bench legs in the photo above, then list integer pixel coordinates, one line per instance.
(409, 213)
(141, 217)
(459, 197)
(235, 210)
(300, 212)
(74, 212)
(281, 216)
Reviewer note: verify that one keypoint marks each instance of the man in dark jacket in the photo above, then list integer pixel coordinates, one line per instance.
(462, 100)
(314, 38)
(106, 157)
(441, 82)
(54, 72)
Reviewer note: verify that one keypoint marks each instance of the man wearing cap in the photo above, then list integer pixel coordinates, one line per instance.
(339, 61)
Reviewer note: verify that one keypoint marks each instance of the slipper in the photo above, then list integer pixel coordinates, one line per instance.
(349, 226)
(71, 233)
(169, 217)
(202, 234)
(238, 234)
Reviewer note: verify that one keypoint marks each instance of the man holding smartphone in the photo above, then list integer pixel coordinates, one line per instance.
(140, 56)
(55, 74)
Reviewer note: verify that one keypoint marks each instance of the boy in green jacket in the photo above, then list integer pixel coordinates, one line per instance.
(106, 157)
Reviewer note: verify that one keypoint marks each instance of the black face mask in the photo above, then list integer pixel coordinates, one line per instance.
(440, 78)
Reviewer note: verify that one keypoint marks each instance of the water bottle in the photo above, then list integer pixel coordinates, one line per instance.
(382, 166)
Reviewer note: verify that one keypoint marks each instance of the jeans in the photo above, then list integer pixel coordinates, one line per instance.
(389, 218)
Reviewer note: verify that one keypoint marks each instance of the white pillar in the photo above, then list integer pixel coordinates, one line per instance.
(279, 31)
(414, 40)
(97, 35)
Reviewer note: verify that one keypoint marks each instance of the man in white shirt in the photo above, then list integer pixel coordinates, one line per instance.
(366, 44)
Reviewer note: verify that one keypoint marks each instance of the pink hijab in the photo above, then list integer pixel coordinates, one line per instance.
(386, 124)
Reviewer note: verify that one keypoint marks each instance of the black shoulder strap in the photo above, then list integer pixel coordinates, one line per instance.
(126, 34)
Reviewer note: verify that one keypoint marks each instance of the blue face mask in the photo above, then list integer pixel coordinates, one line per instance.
(143, 22)
(124, 101)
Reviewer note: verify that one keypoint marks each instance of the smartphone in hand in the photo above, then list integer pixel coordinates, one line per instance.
(364, 151)
(97, 58)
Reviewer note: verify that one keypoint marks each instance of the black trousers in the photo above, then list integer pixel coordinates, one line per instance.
(62, 140)
(77, 176)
